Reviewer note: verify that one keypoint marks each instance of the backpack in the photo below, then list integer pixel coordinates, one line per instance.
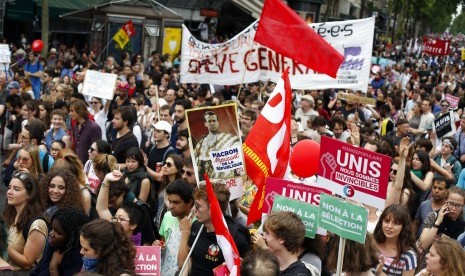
(144, 136)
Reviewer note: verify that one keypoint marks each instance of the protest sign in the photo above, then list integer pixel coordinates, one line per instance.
(435, 46)
(444, 125)
(353, 172)
(298, 191)
(356, 99)
(98, 84)
(216, 144)
(147, 260)
(5, 54)
(225, 63)
(342, 218)
(454, 101)
(307, 212)
(383, 62)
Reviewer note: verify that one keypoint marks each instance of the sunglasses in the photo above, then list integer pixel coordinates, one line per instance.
(22, 176)
(133, 103)
(393, 171)
(188, 173)
(92, 149)
(94, 102)
(168, 164)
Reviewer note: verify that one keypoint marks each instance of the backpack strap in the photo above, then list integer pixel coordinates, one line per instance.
(170, 149)
(25, 230)
(45, 162)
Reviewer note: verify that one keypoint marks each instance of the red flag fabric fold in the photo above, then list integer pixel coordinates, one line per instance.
(223, 236)
(283, 30)
(267, 147)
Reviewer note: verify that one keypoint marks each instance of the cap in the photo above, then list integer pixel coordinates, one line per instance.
(53, 51)
(163, 125)
(402, 121)
(13, 84)
(308, 98)
(123, 85)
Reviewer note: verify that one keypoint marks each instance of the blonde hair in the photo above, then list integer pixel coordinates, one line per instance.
(67, 160)
(452, 256)
(33, 151)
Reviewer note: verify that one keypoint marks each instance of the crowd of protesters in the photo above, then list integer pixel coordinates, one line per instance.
(88, 178)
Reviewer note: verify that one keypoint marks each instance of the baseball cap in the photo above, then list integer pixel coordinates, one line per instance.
(163, 125)
(13, 84)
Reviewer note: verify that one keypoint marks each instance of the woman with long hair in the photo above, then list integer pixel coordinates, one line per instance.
(396, 242)
(106, 249)
(422, 178)
(136, 176)
(62, 254)
(23, 217)
(67, 160)
(104, 164)
(414, 115)
(60, 189)
(97, 148)
(45, 108)
(26, 86)
(28, 161)
(446, 257)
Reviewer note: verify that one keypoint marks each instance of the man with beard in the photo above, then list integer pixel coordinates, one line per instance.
(213, 141)
(350, 108)
(120, 99)
(122, 122)
(180, 108)
(339, 128)
(182, 145)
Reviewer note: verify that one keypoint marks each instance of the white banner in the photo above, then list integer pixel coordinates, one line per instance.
(225, 63)
(98, 84)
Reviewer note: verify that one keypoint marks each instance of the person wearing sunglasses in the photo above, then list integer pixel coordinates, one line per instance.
(97, 148)
(188, 173)
(100, 113)
(448, 220)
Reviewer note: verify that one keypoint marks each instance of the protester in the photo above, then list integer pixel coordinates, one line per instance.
(445, 257)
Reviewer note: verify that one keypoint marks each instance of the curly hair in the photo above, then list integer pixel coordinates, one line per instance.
(71, 220)
(406, 239)
(34, 205)
(452, 256)
(67, 160)
(116, 251)
(72, 197)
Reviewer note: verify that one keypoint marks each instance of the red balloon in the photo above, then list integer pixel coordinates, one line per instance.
(37, 45)
(305, 158)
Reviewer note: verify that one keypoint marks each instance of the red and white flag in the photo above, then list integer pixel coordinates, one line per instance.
(284, 31)
(267, 147)
(223, 236)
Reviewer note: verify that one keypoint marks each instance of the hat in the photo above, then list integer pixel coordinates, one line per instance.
(13, 85)
(308, 98)
(123, 85)
(402, 121)
(53, 51)
(163, 125)
(451, 142)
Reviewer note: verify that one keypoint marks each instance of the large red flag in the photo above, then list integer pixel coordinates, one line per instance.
(223, 236)
(283, 30)
(267, 147)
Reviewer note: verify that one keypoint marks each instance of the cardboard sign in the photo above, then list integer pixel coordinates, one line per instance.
(342, 218)
(98, 84)
(353, 172)
(307, 212)
(297, 191)
(454, 101)
(5, 54)
(444, 125)
(435, 47)
(148, 260)
(356, 98)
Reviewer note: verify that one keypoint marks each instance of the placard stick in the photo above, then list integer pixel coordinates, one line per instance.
(158, 105)
(190, 251)
(243, 75)
(340, 255)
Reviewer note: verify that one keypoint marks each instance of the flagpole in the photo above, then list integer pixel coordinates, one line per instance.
(103, 50)
(340, 255)
(158, 104)
(190, 251)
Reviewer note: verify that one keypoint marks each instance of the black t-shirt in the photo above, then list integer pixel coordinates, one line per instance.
(207, 254)
(122, 144)
(156, 155)
(297, 268)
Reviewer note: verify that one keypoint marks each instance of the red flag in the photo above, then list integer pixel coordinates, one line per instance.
(129, 29)
(284, 31)
(267, 147)
(223, 237)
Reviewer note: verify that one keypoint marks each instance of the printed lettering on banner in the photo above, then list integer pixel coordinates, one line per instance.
(453, 100)
(343, 218)
(307, 192)
(307, 212)
(445, 125)
(98, 84)
(5, 54)
(147, 260)
(353, 172)
(225, 63)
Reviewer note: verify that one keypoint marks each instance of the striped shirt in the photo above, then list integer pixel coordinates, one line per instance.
(407, 261)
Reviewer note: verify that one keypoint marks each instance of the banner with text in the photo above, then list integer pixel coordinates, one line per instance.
(435, 47)
(225, 63)
(343, 218)
(98, 84)
(453, 100)
(353, 172)
(147, 260)
(444, 125)
(307, 212)
(298, 191)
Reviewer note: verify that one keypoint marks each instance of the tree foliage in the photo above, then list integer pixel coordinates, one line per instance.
(458, 26)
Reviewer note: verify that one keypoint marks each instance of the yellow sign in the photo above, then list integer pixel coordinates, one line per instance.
(172, 42)
(122, 38)
(356, 99)
(463, 53)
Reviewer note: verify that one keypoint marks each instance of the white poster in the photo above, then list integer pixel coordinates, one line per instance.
(5, 54)
(225, 63)
(98, 84)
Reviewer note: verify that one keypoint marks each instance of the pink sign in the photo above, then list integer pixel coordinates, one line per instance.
(299, 191)
(353, 172)
(454, 101)
(148, 260)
